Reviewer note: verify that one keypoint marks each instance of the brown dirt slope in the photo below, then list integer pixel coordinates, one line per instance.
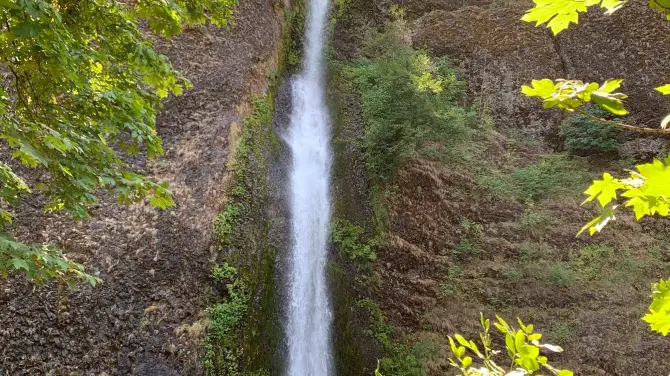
(154, 264)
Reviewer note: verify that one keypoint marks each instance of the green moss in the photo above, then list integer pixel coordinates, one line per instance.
(244, 322)
(293, 38)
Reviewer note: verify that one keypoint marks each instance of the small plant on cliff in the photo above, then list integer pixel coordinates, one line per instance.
(81, 88)
(550, 175)
(408, 97)
(645, 190)
(224, 222)
(399, 359)
(221, 354)
(585, 136)
(350, 240)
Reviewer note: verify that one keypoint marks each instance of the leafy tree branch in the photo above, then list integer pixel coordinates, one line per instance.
(82, 85)
(645, 191)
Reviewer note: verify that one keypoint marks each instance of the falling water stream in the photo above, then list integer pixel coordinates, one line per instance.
(309, 315)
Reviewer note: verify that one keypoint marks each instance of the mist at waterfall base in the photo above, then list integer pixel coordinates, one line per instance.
(308, 137)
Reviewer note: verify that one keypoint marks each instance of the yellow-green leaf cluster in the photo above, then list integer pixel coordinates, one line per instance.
(658, 317)
(665, 90)
(572, 94)
(646, 191)
(559, 14)
(662, 6)
(522, 345)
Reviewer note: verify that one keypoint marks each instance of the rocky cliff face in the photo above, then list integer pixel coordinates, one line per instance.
(500, 53)
(455, 247)
(144, 319)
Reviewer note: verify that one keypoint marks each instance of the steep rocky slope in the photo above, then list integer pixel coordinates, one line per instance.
(461, 239)
(144, 319)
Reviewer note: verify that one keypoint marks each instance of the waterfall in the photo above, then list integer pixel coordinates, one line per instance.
(309, 315)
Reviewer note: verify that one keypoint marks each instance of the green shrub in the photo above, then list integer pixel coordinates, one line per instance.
(407, 98)
(551, 175)
(471, 239)
(448, 287)
(592, 259)
(561, 334)
(535, 222)
(466, 250)
(349, 238)
(513, 274)
(223, 273)
(495, 184)
(584, 136)
(530, 252)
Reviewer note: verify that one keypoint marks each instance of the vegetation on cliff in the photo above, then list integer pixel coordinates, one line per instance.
(488, 224)
(407, 99)
(646, 190)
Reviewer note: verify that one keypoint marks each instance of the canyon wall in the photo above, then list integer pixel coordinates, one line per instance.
(147, 316)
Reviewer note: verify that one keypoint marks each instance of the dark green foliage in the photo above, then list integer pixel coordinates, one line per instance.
(221, 352)
(82, 85)
(585, 136)
(40, 262)
(350, 240)
(407, 98)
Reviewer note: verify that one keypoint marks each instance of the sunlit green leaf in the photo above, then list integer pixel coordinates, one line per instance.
(665, 122)
(659, 311)
(662, 6)
(665, 89)
(559, 14)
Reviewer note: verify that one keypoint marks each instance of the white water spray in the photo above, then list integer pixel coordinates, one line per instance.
(309, 316)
